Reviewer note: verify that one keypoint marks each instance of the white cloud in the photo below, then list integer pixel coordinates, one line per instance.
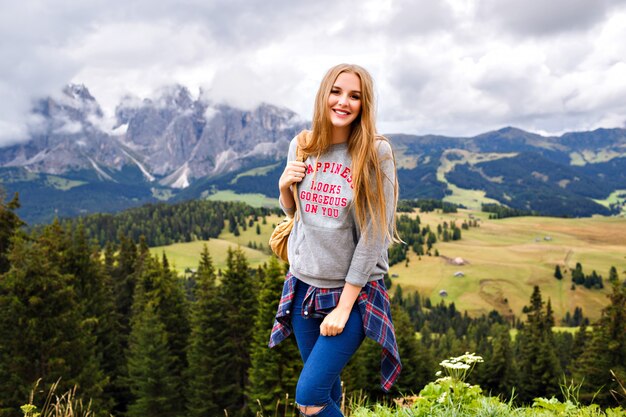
(538, 17)
(453, 67)
(68, 127)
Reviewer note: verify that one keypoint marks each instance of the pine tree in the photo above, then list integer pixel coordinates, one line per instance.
(174, 313)
(154, 386)
(499, 370)
(121, 269)
(273, 373)
(417, 362)
(564, 345)
(613, 274)
(549, 317)
(578, 276)
(605, 351)
(124, 277)
(203, 342)
(238, 306)
(41, 331)
(448, 344)
(456, 234)
(557, 273)
(159, 287)
(9, 224)
(539, 367)
(95, 292)
(580, 341)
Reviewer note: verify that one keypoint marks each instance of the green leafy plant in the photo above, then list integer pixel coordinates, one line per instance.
(451, 396)
(451, 390)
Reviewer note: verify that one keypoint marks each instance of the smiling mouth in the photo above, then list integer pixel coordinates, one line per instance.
(341, 112)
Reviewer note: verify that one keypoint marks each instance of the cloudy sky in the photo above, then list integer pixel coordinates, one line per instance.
(453, 67)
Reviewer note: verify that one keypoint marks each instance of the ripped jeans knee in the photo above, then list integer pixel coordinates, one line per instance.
(315, 399)
(311, 410)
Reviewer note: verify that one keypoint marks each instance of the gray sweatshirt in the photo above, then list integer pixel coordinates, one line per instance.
(325, 248)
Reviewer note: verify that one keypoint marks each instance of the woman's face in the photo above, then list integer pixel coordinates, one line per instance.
(344, 101)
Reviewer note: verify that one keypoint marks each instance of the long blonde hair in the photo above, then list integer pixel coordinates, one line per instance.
(367, 176)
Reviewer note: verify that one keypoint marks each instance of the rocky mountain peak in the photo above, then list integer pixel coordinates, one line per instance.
(176, 96)
(76, 100)
(171, 138)
(78, 91)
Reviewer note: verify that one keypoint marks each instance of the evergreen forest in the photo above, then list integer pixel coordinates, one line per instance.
(84, 303)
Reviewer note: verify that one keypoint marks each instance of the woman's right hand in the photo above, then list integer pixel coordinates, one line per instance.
(294, 172)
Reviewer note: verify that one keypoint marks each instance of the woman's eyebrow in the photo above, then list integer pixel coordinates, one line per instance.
(336, 87)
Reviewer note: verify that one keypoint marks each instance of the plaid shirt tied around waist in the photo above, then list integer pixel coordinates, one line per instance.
(373, 303)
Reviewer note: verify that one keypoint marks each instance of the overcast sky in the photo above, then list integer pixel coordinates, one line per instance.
(453, 67)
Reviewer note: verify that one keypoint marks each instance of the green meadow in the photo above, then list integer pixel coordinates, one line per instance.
(186, 255)
(616, 197)
(472, 199)
(502, 260)
(62, 183)
(255, 200)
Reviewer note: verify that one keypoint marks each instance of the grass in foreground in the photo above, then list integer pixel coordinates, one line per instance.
(447, 396)
(55, 405)
(450, 395)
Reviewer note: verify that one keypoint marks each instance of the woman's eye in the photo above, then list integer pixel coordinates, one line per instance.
(355, 97)
(334, 92)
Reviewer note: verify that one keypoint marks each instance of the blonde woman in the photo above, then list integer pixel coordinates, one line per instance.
(334, 295)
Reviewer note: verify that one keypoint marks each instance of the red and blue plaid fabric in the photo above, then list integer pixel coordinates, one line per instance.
(375, 309)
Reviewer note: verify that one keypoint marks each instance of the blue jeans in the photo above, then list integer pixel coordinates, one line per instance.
(324, 357)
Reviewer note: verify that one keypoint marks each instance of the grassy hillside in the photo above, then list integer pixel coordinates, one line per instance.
(505, 259)
(618, 198)
(187, 255)
(465, 197)
(253, 199)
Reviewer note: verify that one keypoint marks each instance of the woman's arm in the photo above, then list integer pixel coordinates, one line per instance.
(370, 245)
(336, 320)
(366, 254)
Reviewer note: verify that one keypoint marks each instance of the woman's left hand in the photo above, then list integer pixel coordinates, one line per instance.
(334, 323)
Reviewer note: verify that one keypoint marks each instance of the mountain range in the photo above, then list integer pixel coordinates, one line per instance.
(176, 147)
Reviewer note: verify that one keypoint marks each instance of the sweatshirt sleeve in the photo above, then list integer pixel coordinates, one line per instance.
(291, 156)
(369, 249)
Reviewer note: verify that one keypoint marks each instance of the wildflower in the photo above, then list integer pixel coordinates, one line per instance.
(29, 410)
(442, 397)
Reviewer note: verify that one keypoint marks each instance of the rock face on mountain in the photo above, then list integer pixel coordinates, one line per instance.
(64, 137)
(172, 139)
(182, 140)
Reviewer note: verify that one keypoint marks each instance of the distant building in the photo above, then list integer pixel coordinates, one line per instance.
(458, 261)
(394, 275)
(443, 293)
(459, 274)
(548, 238)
